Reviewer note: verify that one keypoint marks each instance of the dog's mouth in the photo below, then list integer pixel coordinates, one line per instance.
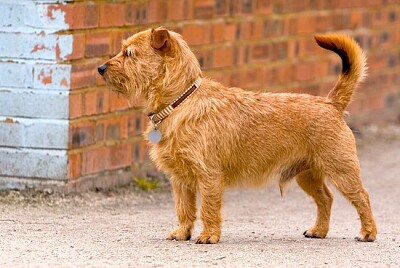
(118, 91)
(116, 88)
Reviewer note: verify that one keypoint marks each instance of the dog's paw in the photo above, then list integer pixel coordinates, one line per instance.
(312, 233)
(179, 235)
(365, 237)
(206, 238)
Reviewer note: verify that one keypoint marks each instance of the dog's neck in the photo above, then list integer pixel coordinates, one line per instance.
(157, 117)
(163, 93)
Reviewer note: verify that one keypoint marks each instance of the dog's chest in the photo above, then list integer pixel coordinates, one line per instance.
(173, 161)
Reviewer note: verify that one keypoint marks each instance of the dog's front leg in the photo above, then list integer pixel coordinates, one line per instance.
(211, 192)
(185, 205)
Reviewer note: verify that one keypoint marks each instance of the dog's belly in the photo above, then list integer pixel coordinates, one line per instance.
(262, 175)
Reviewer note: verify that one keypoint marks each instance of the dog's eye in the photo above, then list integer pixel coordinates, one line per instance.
(129, 52)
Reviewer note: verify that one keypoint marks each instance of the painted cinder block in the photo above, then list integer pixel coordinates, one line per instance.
(10, 15)
(52, 76)
(47, 104)
(26, 182)
(34, 93)
(33, 133)
(41, 15)
(40, 46)
(35, 163)
(15, 74)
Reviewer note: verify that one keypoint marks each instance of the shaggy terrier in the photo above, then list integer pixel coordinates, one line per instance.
(207, 137)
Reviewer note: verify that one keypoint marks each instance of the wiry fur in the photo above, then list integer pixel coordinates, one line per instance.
(224, 137)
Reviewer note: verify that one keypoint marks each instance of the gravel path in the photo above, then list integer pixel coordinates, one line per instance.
(126, 227)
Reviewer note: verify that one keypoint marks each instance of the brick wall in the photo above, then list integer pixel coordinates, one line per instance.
(59, 122)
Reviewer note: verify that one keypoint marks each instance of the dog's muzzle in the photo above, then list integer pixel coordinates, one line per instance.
(101, 69)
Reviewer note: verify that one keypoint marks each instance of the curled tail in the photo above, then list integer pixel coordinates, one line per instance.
(353, 67)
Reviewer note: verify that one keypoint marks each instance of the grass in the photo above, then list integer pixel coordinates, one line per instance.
(146, 184)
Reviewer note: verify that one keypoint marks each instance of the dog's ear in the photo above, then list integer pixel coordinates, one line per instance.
(160, 39)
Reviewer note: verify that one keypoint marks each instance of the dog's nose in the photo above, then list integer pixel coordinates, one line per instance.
(102, 69)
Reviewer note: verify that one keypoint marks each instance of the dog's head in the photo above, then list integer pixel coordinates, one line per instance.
(155, 64)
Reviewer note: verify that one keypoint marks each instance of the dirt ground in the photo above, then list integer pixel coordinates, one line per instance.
(126, 227)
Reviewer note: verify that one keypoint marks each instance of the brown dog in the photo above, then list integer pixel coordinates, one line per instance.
(209, 137)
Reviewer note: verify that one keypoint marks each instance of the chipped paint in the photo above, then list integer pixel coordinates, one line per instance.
(46, 78)
(9, 121)
(64, 82)
(52, 76)
(33, 70)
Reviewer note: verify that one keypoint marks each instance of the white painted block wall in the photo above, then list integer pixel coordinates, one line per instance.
(34, 94)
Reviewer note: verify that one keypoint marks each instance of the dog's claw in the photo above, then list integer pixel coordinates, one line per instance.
(179, 235)
(213, 239)
(364, 239)
(310, 234)
(175, 238)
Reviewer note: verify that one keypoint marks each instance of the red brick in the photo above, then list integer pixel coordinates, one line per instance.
(205, 58)
(118, 102)
(136, 124)
(99, 131)
(130, 13)
(261, 52)
(279, 50)
(279, 75)
(74, 166)
(252, 79)
(222, 32)
(96, 102)
(203, 9)
(298, 6)
(78, 47)
(84, 74)
(263, 7)
(247, 6)
(223, 57)
(197, 34)
(98, 44)
(116, 42)
(75, 105)
(90, 102)
(120, 156)
(272, 27)
(241, 54)
(251, 30)
(123, 123)
(304, 71)
(139, 152)
(141, 14)
(218, 33)
(81, 134)
(221, 77)
(357, 19)
(95, 160)
(113, 130)
(235, 79)
(156, 11)
(81, 15)
(112, 14)
(301, 25)
(109, 128)
(222, 7)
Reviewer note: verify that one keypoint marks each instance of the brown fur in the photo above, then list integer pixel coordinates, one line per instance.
(224, 137)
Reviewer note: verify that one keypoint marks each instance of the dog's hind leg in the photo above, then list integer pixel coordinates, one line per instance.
(185, 205)
(313, 184)
(349, 183)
